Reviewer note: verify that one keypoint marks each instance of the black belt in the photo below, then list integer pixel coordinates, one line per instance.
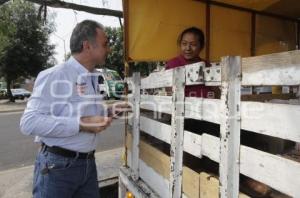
(67, 153)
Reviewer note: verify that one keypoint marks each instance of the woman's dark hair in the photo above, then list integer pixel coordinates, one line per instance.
(194, 30)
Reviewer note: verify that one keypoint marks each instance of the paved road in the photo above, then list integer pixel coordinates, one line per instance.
(17, 150)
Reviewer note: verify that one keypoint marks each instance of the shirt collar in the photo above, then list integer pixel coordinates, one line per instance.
(74, 63)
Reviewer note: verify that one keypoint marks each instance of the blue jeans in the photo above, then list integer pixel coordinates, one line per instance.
(62, 177)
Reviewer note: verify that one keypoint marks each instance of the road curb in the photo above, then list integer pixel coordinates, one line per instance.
(12, 110)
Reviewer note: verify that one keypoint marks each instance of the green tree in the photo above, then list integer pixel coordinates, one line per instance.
(26, 48)
(115, 59)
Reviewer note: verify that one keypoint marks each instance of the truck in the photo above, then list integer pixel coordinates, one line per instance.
(110, 83)
(248, 145)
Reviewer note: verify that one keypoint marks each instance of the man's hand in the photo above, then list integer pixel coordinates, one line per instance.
(94, 124)
(118, 108)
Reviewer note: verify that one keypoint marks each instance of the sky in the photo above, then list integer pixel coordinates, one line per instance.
(66, 20)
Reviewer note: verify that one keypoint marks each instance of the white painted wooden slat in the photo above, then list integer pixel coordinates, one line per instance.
(277, 120)
(157, 182)
(138, 188)
(210, 147)
(197, 108)
(192, 144)
(203, 109)
(161, 131)
(136, 126)
(157, 80)
(177, 133)
(230, 127)
(279, 173)
(194, 76)
(122, 189)
(212, 76)
(157, 103)
(129, 82)
(194, 73)
(156, 129)
(272, 69)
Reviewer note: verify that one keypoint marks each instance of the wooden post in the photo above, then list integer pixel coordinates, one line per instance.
(176, 150)
(230, 124)
(122, 189)
(136, 126)
(126, 113)
(253, 33)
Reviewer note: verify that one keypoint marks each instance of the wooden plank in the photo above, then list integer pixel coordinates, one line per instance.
(128, 144)
(157, 80)
(277, 120)
(160, 163)
(138, 188)
(273, 69)
(122, 189)
(277, 172)
(196, 74)
(190, 183)
(230, 127)
(209, 186)
(136, 126)
(156, 129)
(258, 165)
(154, 158)
(211, 147)
(267, 97)
(197, 108)
(152, 174)
(161, 131)
(203, 109)
(157, 103)
(177, 132)
(212, 75)
(192, 142)
(158, 183)
(129, 82)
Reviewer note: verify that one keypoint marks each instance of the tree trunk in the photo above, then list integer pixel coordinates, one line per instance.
(9, 93)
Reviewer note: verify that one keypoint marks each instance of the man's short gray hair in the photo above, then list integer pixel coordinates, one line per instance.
(84, 31)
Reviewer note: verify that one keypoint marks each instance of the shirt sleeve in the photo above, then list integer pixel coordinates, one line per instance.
(42, 116)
